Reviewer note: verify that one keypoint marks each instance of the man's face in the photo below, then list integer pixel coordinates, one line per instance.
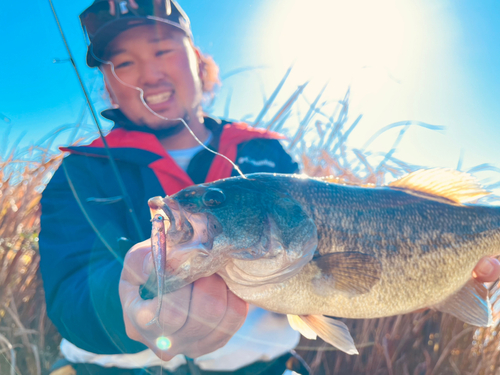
(160, 60)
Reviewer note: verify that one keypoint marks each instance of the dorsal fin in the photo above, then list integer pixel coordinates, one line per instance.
(332, 179)
(442, 184)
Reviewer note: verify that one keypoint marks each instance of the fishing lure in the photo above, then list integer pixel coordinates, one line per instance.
(159, 254)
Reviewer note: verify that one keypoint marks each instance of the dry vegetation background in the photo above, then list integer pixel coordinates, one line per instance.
(423, 343)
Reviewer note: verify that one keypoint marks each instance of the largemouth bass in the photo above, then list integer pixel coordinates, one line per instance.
(309, 248)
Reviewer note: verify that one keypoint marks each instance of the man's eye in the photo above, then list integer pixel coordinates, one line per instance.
(163, 52)
(123, 64)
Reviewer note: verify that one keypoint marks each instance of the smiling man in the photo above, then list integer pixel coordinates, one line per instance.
(161, 61)
(94, 257)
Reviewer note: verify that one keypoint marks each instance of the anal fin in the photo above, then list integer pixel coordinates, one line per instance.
(298, 324)
(330, 330)
(470, 304)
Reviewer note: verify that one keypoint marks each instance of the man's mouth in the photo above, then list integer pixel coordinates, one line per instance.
(158, 98)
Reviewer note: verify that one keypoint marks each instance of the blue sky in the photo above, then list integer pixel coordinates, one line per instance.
(433, 61)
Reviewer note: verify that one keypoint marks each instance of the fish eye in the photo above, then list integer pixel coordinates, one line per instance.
(213, 197)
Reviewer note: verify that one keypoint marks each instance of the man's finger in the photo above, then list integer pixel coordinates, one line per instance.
(207, 308)
(138, 263)
(133, 4)
(173, 314)
(234, 318)
(487, 270)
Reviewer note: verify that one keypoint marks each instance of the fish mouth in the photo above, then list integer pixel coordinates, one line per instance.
(189, 238)
(180, 229)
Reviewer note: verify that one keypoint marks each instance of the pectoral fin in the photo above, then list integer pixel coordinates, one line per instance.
(470, 304)
(330, 330)
(352, 272)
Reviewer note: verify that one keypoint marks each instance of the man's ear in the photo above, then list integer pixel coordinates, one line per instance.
(111, 94)
(201, 64)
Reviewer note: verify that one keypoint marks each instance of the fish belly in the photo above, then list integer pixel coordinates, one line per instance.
(406, 284)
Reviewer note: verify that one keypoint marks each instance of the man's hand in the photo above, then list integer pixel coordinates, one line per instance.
(196, 319)
(487, 270)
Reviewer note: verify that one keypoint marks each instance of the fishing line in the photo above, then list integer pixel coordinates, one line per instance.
(193, 369)
(191, 365)
(141, 95)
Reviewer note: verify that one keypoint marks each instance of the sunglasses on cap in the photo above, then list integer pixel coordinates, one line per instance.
(101, 26)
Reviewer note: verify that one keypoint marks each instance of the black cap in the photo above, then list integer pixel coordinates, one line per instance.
(101, 27)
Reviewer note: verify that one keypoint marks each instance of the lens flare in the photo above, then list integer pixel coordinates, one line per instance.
(163, 343)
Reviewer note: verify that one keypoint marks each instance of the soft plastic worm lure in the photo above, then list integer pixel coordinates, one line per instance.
(159, 252)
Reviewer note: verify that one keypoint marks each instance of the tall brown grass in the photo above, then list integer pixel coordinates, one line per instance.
(421, 343)
(28, 340)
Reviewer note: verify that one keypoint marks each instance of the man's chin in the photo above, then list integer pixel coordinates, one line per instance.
(162, 130)
(167, 128)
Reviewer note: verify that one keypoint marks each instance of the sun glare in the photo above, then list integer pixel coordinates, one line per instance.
(348, 40)
(368, 45)
(387, 52)
(163, 343)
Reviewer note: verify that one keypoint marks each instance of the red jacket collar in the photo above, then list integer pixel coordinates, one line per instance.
(121, 138)
(170, 175)
(232, 136)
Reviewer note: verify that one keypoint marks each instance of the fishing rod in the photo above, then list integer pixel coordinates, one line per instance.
(126, 197)
(5, 118)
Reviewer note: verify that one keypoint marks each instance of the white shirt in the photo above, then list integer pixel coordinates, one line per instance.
(263, 337)
(183, 157)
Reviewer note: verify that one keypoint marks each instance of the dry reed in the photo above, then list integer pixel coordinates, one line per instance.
(28, 341)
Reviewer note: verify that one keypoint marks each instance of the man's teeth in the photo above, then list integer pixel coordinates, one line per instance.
(158, 98)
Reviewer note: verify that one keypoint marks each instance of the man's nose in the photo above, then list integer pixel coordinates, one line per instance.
(151, 73)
